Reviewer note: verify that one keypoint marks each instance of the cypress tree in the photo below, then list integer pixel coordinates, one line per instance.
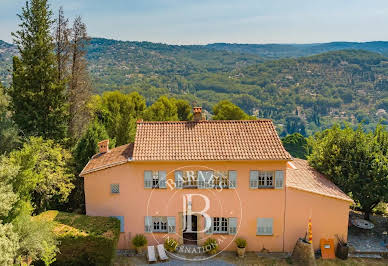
(38, 96)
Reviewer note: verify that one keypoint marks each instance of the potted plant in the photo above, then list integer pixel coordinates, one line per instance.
(342, 250)
(139, 241)
(170, 244)
(210, 246)
(241, 245)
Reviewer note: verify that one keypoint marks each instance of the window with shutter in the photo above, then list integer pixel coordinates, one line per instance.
(220, 225)
(279, 179)
(148, 224)
(114, 188)
(209, 179)
(232, 179)
(171, 224)
(162, 179)
(148, 179)
(209, 225)
(178, 179)
(201, 179)
(253, 179)
(264, 226)
(232, 226)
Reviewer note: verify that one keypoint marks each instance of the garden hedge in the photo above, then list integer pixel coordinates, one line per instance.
(84, 240)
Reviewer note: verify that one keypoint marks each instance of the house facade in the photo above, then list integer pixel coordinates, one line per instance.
(221, 179)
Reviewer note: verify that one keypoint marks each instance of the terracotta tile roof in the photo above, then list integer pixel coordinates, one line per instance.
(304, 177)
(208, 140)
(116, 156)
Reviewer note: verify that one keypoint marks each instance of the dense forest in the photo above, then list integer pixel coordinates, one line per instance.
(301, 94)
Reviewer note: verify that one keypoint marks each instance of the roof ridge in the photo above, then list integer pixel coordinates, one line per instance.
(205, 121)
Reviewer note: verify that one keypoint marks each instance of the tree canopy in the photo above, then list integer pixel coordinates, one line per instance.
(38, 97)
(296, 145)
(355, 161)
(225, 110)
(164, 109)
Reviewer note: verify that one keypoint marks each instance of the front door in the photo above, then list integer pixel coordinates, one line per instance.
(190, 236)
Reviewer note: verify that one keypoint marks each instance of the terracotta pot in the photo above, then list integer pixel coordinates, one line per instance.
(139, 250)
(241, 252)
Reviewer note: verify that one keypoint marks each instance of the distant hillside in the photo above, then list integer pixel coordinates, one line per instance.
(7, 51)
(297, 50)
(302, 94)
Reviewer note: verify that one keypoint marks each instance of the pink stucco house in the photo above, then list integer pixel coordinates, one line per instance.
(222, 179)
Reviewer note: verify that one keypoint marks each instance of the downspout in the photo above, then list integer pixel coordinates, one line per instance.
(285, 207)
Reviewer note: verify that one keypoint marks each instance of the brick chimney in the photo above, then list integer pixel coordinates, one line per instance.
(197, 113)
(103, 146)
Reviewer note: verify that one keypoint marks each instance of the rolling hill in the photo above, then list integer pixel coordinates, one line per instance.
(304, 88)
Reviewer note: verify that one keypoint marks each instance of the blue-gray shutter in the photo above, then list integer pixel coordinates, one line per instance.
(162, 179)
(279, 179)
(171, 225)
(264, 226)
(148, 224)
(121, 219)
(232, 179)
(115, 188)
(232, 226)
(253, 179)
(201, 179)
(209, 179)
(210, 230)
(178, 179)
(148, 179)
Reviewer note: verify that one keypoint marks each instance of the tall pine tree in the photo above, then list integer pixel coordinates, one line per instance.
(38, 96)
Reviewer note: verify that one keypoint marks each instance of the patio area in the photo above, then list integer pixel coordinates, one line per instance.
(369, 241)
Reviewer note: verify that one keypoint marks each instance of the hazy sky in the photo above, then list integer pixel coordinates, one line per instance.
(208, 21)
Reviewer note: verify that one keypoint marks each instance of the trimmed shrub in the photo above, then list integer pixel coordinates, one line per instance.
(139, 241)
(210, 246)
(84, 240)
(241, 242)
(170, 244)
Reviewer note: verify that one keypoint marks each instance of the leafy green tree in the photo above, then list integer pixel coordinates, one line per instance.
(9, 133)
(34, 237)
(44, 176)
(38, 97)
(8, 198)
(225, 110)
(9, 244)
(295, 124)
(164, 109)
(119, 112)
(296, 145)
(355, 161)
(86, 147)
(184, 110)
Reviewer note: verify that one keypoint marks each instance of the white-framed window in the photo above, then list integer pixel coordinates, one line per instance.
(115, 188)
(261, 179)
(220, 225)
(160, 224)
(154, 179)
(205, 179)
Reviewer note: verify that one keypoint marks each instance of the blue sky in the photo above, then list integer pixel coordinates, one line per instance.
(208, 21)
